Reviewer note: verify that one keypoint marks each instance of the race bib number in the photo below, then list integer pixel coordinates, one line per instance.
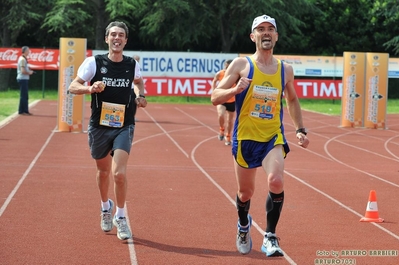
(263, 102)
(112, 114)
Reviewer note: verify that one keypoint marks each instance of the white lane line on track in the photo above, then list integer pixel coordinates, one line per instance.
(365, 150)
(347, 132)
(260, 230)
(21, 180)
(132, 251)
(290, 261)
(163, 133)
(232, 201)
(354, 168)
(339, 203)
(166, 133)
(330, 157)
(293, 176)
(396, 159)
(200, 122)
(387, 148)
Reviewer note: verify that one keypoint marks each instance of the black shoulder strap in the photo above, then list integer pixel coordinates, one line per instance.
(98, 59)
(98, 56)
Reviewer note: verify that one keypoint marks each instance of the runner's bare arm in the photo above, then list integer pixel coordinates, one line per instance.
(293, 106)
(139, 84)
(78, 87)
(139, 87)
(235, 71)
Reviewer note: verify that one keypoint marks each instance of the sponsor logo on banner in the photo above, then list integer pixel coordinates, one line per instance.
(9, 56)
(326, 89)
(168, 86)
(39, 59)
(313, 72)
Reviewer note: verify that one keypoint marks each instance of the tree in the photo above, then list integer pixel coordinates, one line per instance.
(78, 19)
(161, 24)
(215, 24)
(350, 25)
(386, 13)
(15, 16)
(307, 27)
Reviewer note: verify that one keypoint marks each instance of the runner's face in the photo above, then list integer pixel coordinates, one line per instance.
(116, 39)
(265, 36)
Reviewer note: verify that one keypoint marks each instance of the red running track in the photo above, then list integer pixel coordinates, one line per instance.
(181, 193)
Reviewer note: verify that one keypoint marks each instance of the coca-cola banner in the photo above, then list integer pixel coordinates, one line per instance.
(38, 59)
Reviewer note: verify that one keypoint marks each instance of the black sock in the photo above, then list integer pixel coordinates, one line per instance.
(274, 204)
(243, 209)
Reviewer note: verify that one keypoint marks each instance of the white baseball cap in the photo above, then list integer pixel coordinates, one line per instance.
(261, 19)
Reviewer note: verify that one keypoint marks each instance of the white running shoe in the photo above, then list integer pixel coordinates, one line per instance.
(123, 230)
(270, 246)
(106, 218)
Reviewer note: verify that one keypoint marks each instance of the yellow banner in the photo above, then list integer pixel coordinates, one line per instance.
(70, 107)
(353, 90)
(376, 90)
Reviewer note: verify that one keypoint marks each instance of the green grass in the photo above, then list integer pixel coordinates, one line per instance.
(9, 102)
(333, 107)
(326, 106)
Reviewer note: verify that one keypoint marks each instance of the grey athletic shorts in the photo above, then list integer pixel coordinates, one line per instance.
(102, 141)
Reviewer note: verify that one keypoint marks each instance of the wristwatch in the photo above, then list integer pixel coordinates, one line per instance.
(141, 96)
(302, 130)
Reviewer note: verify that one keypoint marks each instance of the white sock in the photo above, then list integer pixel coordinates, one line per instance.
(105, 205)
(120, 212)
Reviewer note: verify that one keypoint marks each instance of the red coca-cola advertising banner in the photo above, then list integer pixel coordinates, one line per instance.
(39, 59)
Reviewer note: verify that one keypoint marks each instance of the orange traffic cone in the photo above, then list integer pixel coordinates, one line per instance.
(372, 210)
